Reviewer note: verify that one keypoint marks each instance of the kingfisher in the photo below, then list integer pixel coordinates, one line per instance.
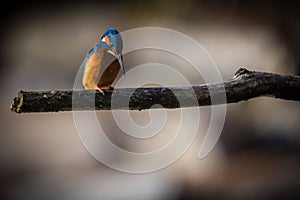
(103, 62)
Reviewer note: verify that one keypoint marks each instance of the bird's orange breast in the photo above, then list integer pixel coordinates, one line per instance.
(101, 70)
(110, 73)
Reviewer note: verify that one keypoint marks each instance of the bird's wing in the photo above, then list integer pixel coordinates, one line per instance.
(87, 57)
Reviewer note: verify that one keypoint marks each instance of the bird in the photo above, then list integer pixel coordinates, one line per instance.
(103, 62)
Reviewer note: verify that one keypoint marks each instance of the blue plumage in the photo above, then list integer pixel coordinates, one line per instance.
(115, 39)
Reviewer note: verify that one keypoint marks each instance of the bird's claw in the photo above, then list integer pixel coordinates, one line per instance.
(100, 90)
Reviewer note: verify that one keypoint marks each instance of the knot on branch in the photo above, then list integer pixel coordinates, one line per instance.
(145, 98)
(241, 71)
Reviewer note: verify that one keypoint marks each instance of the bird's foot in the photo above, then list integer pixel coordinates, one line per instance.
(100, 90)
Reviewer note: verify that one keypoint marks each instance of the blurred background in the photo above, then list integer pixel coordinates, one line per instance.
(44, 43)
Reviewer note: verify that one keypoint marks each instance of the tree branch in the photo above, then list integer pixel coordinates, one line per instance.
(243, 86)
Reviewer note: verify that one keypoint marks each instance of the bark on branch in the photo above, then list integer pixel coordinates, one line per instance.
(243, 86)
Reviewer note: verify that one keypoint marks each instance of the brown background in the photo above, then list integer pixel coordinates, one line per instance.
(42, 47)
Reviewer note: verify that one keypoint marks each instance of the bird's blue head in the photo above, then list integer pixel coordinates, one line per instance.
(114, 40)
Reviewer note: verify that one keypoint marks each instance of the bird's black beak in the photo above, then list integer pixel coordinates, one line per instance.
(119, 57)
(121, 63)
